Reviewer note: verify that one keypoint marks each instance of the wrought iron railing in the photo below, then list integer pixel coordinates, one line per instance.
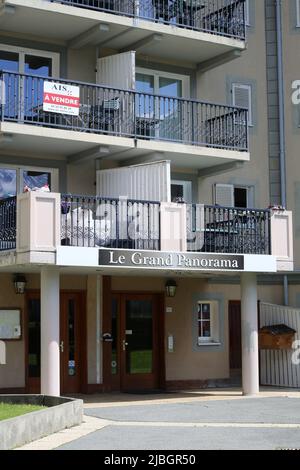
(8, 223)
(214, 229)
(88, 221)
(222, 17)
(127, 113)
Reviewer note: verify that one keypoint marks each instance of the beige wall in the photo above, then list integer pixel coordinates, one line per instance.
(82, 64)
(12, 375)
(212, 86)
(185, 363)
(82, 178)
(291, 42)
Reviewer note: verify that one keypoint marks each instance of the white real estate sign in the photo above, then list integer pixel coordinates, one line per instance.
(61, 98)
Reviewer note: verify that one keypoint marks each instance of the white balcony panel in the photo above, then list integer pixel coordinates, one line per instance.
(150, 182)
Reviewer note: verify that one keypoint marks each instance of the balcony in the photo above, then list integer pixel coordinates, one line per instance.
(133, 224)
(88, 221)
(8, 223)
(81, 231)
(215, 229)
(191, 133)
(218, 16)
(193, 31)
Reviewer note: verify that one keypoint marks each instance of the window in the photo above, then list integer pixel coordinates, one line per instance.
(160, 117)
(298, 13)
(13, 180)
(240, 197)
(31, 61)
(204, 322)
(242, 97)
(162, 83)
(229, 195)
(181, 189)
(208, 323)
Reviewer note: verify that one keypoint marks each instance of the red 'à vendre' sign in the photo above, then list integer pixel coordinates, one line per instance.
(61, 98)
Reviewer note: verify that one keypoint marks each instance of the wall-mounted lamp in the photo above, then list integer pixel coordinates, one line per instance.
(171, 287)
(19, 283)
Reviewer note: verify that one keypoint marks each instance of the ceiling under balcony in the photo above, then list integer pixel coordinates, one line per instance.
(78, 27)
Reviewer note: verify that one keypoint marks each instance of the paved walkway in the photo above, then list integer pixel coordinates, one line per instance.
(196, 420)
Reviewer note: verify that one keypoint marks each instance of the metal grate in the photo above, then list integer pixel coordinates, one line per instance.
(128, 113)
(108, 222)
(8, 230)
(213, 229)
(221, 17)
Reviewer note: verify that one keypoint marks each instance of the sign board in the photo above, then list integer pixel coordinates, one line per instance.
(150, 259)
(61, 98)
(161, 261)
(10, 324)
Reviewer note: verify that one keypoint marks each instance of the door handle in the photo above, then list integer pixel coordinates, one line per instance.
(124, 344)
(61, 346)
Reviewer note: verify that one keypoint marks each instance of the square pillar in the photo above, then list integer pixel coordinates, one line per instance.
(173, 227)
(50, 334)
(249, 320)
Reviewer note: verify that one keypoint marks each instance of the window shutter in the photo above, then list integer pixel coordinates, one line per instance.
(247, 12)
(241, 97)
(298, 13)
(224, 195)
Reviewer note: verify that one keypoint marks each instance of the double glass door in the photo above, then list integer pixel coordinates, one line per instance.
(135, 347)
(71, 342)
(22, 95)
(158, 109)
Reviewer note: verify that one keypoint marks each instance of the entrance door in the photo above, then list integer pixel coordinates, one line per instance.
(72, 342)
(137, 348)
(71, 334)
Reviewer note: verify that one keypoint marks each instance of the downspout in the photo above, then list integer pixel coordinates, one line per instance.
(281, 103)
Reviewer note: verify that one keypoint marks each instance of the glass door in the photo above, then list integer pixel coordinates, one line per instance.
(160, 117)
(146, 105)
(23, 96)
(9, 61)
(139, 342)
(33, 346)
(72, 333)
(33, 88)
(170, 119)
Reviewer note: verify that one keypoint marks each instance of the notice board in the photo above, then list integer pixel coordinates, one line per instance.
(10, 324)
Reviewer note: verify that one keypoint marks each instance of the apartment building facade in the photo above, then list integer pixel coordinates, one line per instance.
(136, 140)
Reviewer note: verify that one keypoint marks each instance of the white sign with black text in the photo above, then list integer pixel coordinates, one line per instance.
(61, 98)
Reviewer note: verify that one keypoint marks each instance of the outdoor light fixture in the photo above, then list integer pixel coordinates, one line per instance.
(171, 287)
(19, 283)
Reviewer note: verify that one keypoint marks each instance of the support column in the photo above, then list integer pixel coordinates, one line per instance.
(250, 370)
(50, 354)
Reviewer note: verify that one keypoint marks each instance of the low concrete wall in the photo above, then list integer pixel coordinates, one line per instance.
(61, 413)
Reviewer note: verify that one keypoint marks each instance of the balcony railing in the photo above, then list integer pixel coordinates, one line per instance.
(111, 223)
(214, 229)
(90, 221)
(222, 17)
(127, 113)
(8, 212)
